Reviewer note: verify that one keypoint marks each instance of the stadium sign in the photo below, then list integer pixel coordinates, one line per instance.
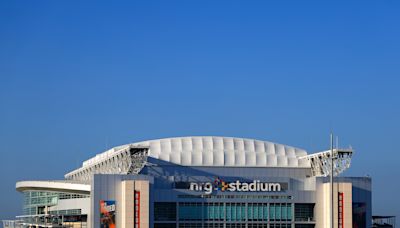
(236, 186)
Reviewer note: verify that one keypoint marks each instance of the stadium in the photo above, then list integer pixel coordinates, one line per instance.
(202, 182)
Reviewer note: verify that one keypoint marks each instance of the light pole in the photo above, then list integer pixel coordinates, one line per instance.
(331, 180)
(324, 164)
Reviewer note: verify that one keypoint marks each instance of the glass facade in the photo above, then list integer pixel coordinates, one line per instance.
(235, 225)
(190, 225)
(304, 212)
(214, 225)
(34, 202)
(280, 226)
(214, 211)
(37, 210)
(164, 225)
(190, 211)
(231, 225)
(304, 226)
(235, 212)
(269, 197)
(66, 212)
(228, 215)
(165, 211)
(280, 212)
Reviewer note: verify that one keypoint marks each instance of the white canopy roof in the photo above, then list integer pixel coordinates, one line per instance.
(53, 185)
(216, 151)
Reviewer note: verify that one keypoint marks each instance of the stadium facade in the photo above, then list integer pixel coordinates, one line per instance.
(201, 182)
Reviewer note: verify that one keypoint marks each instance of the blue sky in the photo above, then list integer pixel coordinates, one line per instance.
(79, 77)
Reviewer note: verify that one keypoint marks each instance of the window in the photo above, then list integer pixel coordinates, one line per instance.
(257, 225)
(214, 211)
(235, 211)
(304, 225)
(236, 225)
(286, 212)
(165, 211)
(214, 225)
(164, 225)
(272, 212)
(304, 212)
(190, 225)
(255, 212)
(190, 211)
(283, 225)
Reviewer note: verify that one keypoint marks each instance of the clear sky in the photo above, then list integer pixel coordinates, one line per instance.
(79, 77)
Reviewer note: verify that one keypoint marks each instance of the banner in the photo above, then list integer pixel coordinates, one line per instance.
(107, 214)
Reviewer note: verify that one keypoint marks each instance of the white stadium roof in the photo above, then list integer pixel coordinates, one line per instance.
(216, 151)
(198, 151)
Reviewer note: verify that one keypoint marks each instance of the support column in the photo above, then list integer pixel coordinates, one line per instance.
(127, 201)
(144, 188)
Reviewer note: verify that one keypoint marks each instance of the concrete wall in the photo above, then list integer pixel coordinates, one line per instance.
(68, 204)
(127, 201)
(355, 189)
(323, 205)
(144, 188)
(119, 188)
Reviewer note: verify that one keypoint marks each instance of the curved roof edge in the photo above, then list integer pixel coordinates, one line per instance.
(215, 151)
(57, 186)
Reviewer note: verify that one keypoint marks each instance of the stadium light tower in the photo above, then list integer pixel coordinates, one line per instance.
(331, 180)
(330, 163)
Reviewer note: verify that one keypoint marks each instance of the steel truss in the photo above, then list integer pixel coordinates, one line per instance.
(321, 162)
(127, 160)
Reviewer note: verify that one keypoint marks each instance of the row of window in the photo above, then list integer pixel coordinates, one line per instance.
(29, 211)
(42, 194)
(72, 196)
(235, 211)
(33, 200)
(57, 221)
(66, 212)
(193, 211)
(231, 225)
(234, 197)
(48, 200)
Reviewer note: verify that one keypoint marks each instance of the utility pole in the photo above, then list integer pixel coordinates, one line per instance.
(331, 180)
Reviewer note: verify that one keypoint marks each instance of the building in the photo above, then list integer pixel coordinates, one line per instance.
(198, 182)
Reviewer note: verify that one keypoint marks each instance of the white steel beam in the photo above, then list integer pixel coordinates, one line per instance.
(127, 160)
(321, 163)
